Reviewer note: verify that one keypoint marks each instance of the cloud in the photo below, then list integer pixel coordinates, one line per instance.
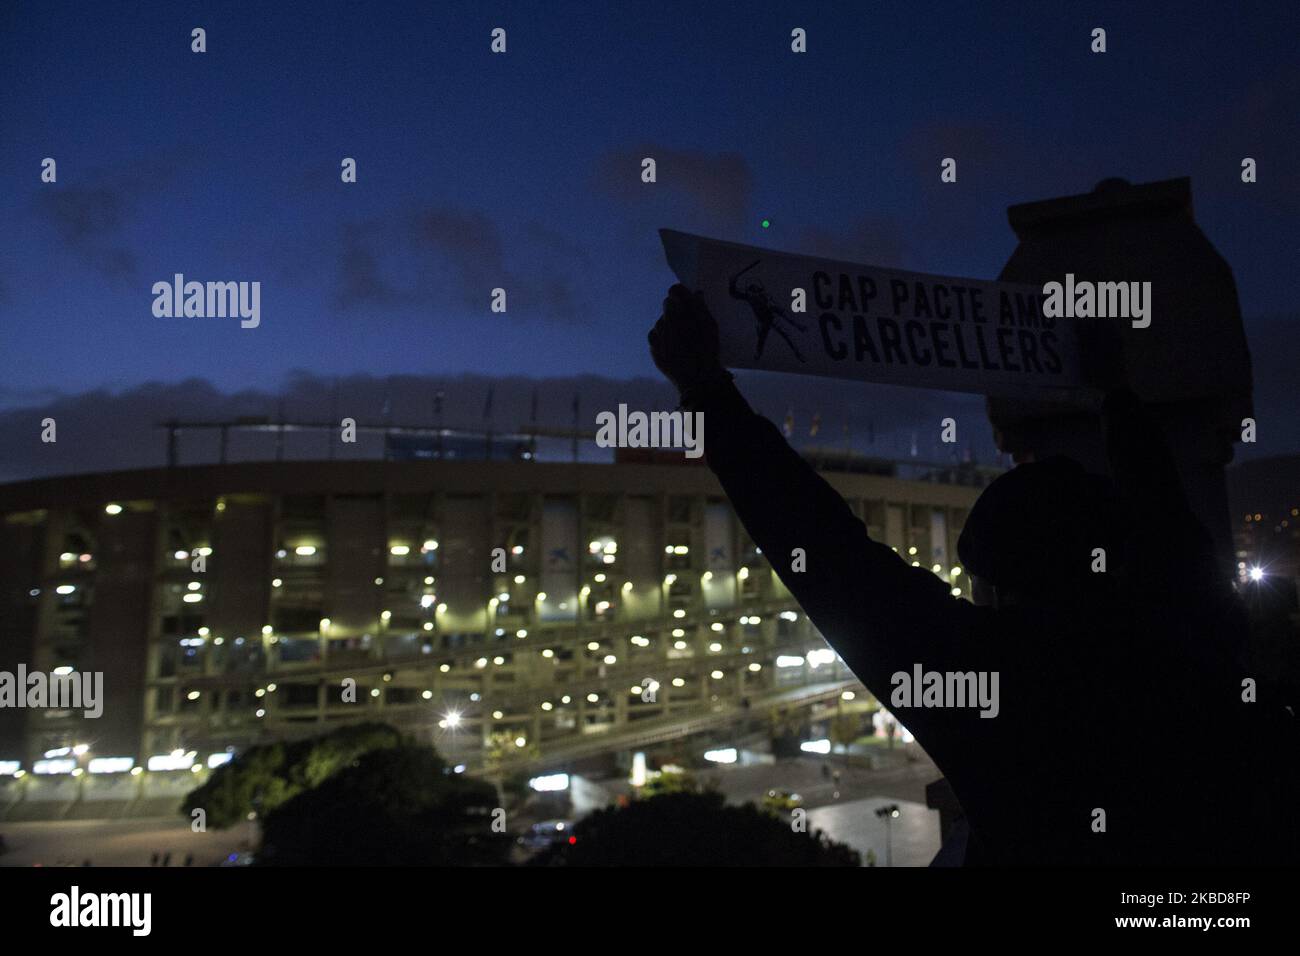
(105, 430)
(361, 279)
(873, 241)
(718, 185)
(89, 215)
(450, 251)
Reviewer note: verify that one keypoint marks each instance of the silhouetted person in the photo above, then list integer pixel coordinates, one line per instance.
(1113, 687)
(189, 859)
(167, 858)
(153, 860)
(766, 313)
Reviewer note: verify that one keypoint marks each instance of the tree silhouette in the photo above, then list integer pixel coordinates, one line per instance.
(693, 829)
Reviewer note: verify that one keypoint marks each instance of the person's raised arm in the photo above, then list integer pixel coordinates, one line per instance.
(880, 614)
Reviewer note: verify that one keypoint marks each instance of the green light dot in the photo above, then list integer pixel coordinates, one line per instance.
(766, 223)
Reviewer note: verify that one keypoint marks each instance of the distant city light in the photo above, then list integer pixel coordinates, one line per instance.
(176, 760)
(111, 764)
(549, 783)
(62, 765)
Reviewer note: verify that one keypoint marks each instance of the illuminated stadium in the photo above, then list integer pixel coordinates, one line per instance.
(522, 615)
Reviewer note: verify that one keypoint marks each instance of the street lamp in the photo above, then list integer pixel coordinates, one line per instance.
(888, 813)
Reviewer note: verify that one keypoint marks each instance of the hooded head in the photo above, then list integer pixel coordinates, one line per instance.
(1031, 535)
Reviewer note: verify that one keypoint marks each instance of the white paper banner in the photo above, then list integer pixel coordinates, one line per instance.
(876, 325)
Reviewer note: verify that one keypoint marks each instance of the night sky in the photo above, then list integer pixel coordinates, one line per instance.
(522, 170)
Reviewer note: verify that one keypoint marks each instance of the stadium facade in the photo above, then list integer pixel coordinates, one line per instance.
(511, 611)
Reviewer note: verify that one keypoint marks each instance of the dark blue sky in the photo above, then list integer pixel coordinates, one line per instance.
(478, 170)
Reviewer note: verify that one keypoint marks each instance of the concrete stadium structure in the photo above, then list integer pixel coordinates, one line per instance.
(516, 613)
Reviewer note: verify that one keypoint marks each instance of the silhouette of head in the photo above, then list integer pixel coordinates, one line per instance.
(1031, 535)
